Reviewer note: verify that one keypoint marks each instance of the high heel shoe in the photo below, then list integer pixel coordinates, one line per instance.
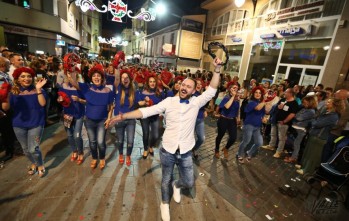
(74, 157)
(145, 154)
(290, 160)
(151, 151)
(121, 159)
(128, 160)
(41, 171)
(80, 159)
(101, 164)
(32, 170)
(93, 164)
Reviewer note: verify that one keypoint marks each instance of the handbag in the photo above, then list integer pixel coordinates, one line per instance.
(67, 120)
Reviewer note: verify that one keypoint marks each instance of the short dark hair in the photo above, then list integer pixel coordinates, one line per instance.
(190, 78)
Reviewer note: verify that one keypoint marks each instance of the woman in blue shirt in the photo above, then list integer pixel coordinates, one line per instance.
(255, 110)
(151, 95)
(227, 122)
(99, 103)
(28, 102)
(318, 134)
(73, 103)
(126, 100)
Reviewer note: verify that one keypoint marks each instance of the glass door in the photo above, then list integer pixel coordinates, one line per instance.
(294, 75)
(310, 77)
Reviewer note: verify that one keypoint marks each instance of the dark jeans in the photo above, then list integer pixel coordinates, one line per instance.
(74, 135)
(96, 135)
(185, 168)
(224, 125)
(150, 129)
(7, 134)
(200, 133)
(129, 127)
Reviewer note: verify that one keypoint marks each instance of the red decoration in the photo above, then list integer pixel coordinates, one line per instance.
(66, 100)
(120, 56)
(166, 76)
(70, 61)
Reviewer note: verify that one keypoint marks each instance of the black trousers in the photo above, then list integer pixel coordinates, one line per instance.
(7, 134)
(226, 125)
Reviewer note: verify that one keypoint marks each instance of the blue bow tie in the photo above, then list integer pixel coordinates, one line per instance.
(186, 101)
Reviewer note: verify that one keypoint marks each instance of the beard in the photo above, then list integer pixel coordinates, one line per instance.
(184, 92)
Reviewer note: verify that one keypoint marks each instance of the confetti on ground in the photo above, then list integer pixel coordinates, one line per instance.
(201, 174)
(276, 206)
(327, 199)
(287, 186)
(284, 215)
(297, 178)
(39, 214)
(269, 217)
(81, 217)
(293, 180)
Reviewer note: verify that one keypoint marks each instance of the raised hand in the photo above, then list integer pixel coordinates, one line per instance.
(40, 83)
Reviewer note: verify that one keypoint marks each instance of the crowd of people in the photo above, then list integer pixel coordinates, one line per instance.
(101, 95)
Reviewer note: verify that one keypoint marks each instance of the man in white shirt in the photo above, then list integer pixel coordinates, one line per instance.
(178, 139)
(16, 62)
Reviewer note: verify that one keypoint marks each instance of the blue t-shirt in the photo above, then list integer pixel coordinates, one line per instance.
(27, 112)
(76, 109)
(202, 109)
(253, 117)
(156, 99)
(97, 100)
(109, 79)
(126, 106)
(232, 111)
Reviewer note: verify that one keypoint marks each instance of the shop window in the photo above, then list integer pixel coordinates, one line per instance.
(285, 4)
(235, 55)
(309, 52)
(238, 21)
(263, 61)
(89, 22)
(89, 37)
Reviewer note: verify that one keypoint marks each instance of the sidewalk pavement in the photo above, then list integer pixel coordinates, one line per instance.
(223, 190)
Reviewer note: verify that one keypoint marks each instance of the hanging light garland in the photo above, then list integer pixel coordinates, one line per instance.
(118, 9)
(113, 41)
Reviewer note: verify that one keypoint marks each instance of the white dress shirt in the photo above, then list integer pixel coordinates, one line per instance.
(180, 120)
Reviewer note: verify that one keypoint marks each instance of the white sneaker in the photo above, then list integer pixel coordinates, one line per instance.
(176, 193)
(165, 211)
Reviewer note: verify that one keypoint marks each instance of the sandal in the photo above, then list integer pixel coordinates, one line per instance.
(241, 159)
(93, 164)
(121, 159)
(248, 159)
(32, 170)
(101, 164)
(41, 171)
(80, 159)
(128, 160)
(290, 160)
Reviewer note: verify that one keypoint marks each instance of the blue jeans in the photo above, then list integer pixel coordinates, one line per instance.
(96, 135)
(250, 131)
(30, 138)
(297, 143)
(200, 133)
(150, 129)
(74, 135)
(186, 172)
(129, 126)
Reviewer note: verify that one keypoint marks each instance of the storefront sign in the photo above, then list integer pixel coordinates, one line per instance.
(294, 31)
(234, 39)
(192, 25)
(168, 49)
(268, 36)
(296, 11)
(191, 43)
(60, 42)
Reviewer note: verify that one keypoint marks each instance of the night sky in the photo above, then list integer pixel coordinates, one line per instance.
(177, 7)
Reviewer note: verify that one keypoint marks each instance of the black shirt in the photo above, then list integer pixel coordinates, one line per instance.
(289, 107)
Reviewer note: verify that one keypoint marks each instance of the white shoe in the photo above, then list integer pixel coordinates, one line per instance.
(176, 193)
(165, 211)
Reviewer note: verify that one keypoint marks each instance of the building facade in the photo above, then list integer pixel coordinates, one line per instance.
(50, 27)
(178, 45)
(280, 39)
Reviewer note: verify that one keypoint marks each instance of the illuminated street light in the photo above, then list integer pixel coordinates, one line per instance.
(160, 8)
(239, 3)
(137, 33)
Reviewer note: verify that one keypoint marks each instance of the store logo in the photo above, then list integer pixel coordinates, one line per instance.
(268, 36)
(291, 31)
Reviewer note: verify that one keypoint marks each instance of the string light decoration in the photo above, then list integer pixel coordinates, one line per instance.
(118, 9)
(113, 41)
